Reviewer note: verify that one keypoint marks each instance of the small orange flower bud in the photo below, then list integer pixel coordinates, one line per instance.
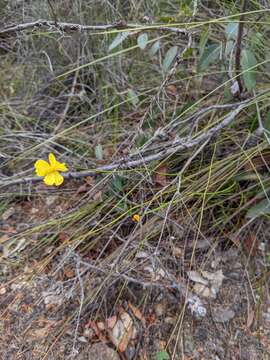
(136, 217)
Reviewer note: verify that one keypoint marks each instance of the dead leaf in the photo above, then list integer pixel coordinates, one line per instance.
(156, 274)
(69, 272)
(137, 313)
(3, 290)
(160, 177)
(207, 283)
(63, 236)
(97, 196)
(172, 90)
(197, 277)
(251, 244)
(4, 238)
(101, 326)
(8, 213)
(177, 252)
(203, 290)
(122, 332)
(111, 321)
(92, 325)
(250, 318)
(90, 180)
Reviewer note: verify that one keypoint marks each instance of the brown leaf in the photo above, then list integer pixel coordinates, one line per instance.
(251, 244)
(97, 196)
(63, 236)
(137, 313)
(111, 321)
(172, 90)
(92, 325)
(250, 318)
(69, 272)
(122, 332)
(258, 162)
(90, 180)
(160, 175)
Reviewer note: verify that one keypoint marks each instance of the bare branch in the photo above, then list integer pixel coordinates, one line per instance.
(163, 151)
(70, 27)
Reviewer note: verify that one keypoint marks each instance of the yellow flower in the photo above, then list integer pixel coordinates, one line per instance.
(50, 170)
(136, 217)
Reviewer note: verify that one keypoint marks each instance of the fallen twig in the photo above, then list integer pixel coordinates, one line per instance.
(73, 27)
(238, 45)
(161, 152)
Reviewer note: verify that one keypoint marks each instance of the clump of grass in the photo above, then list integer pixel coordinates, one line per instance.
(93, 220)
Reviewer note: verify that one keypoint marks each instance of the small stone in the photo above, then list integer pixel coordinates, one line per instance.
(100, 351)
(223, 315)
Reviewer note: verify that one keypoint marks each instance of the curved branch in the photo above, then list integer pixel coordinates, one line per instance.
(73, 27)
(132, 162)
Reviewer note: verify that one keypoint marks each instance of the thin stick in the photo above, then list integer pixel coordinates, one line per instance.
(67, 27)
(163, 152)
(238, 45)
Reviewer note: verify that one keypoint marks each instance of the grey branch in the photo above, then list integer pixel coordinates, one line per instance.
(162, 152)
(70, 27)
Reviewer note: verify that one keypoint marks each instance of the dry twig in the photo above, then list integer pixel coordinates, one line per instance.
(160, 152)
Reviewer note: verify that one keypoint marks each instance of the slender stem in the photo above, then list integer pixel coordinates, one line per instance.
(239, 43)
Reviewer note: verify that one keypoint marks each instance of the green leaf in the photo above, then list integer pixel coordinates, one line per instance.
(228, 48)
(262, 208)
(118, 183)
(142, 139)
(248, 61)
(99, 152)
(118, 39)
(210, 55)
(162, 355)
(133, 97)
(232, 30)
(169, 57)
(142, 41)
(266, 122)
(154, 48)
(203, 41)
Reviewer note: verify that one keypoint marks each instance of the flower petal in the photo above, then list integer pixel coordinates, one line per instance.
(60, 167)
(58, 179)
(50, 179)
(42, 167)
(52, 159)
(57, 166)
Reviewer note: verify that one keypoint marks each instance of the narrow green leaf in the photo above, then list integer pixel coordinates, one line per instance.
(203, 41)
(162, 355)
(169, 57)
(142, 41)
(118, 183)
(210, 55)
(133, 97)
(228, 48)
(99, 152)
(154, 48)
(248, 60)
(266, 122)
(232, 30)
(118, 39)
(262, 208)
